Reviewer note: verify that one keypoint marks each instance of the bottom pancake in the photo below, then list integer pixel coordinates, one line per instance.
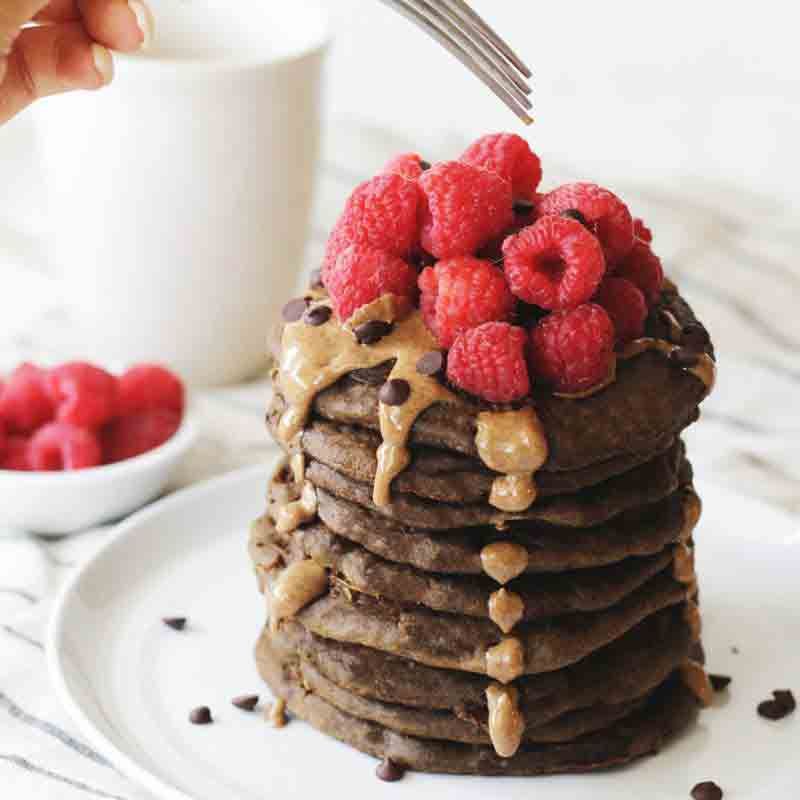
(669, 710)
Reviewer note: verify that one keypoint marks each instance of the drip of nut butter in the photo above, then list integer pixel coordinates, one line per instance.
(696, 679)
(506, 723)
(504, 561)
(297, 586)
(506, 661)
(290, 516)
(513, 443)
(506, 609)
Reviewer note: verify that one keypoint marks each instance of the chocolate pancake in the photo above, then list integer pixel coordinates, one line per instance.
(470, 726)
(627, 668)
(649, 404)
(668, 711)
(640, 532)
(543, 595)
(642, 485)
(458, 642)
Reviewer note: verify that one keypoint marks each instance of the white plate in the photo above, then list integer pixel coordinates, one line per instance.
(129, 682)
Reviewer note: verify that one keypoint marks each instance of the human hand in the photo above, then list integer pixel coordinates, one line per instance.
(67, 49)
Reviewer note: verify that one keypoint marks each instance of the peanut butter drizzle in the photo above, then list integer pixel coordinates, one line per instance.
(694, 676)
(276, 714)
(505, 661)
(705, 370)
(506, 609)
(297, 586)
(506, 723)
(692, 511)
(315, 357)
(504, 561)
(290, 516)
(513, 443)
(683, 564)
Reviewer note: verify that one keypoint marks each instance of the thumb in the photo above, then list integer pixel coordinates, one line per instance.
(51, 59)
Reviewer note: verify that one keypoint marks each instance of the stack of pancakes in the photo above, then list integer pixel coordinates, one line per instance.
(447, 635)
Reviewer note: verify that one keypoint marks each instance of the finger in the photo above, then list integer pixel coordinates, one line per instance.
(13, 15)
(124, 25)
(49, 60)
(59, 11)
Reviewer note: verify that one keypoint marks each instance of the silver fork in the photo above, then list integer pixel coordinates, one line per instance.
(470, 39)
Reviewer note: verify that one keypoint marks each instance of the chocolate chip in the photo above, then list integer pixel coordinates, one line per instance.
(719, 682)
(695, 337)
(708, 790)
(201, 716)
(388, 771)
(432, 363)
(424, 165)
(294, 309)
(683, 357)
(394, 392)
(573, 213)
(315, 279)
(247, 702)
(735, 650)
(523, 206)
(781, 706)
(372, 331)
(176, 623)
(318, 315)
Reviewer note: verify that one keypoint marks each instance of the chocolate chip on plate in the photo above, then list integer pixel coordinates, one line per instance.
(424, 165)
(294, 309)
(247, 702)
(719, 682)
(176, 623)
(684, 357)
(318, 315)
(315, 279)
(782, 704)
(372, 331)
(201, 716)
(707, 790)
(432, 363)
(388, 771)
(394, 392)
(573, 213)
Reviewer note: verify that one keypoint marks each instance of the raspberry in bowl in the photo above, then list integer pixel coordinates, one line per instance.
(80, 446)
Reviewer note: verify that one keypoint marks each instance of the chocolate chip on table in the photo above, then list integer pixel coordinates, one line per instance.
(315, 279)
(294, 309)
(372, 331)
(388, 771)
(707, 790)
(201, 716)
(573, 213)
(719, 682)
(432, 363)
(782, 704)
(247, 702)
(394, 392)
(176, 623)
(684, 357)
(318, 315)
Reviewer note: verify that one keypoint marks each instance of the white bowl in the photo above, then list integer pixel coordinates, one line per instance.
(56, 503)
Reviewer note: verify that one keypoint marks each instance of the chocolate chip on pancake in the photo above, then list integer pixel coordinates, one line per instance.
(317, 315)
(394, 392)
(432, 363)
(294, 309)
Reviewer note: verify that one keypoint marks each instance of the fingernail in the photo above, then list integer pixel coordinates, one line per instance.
(103, 62)
(144, 19)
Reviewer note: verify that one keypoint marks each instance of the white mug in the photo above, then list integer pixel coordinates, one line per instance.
(181, 193)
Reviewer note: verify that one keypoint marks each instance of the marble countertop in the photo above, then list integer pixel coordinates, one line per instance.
(731, 250)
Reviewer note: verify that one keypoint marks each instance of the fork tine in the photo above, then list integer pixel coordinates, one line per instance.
(466, 12)
(437, 12)
(456, 48)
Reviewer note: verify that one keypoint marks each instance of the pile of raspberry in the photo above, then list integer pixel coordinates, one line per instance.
(77, 415)
(517, 286)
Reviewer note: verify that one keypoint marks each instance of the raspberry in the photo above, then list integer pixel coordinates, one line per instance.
(407, 165)
(489, 361)
(605, 214)
(131, 436)
(573, 350)
(361, 275)
(3, 438)
(83, 394)
(148, 386)
(642, 267)
(16, 454)
(641, 231)
(626, 306)
(511, 157)
(461, 293)
(25, 403)
(380, 214)
(463, 207)
(61, 445)
(554, 263)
